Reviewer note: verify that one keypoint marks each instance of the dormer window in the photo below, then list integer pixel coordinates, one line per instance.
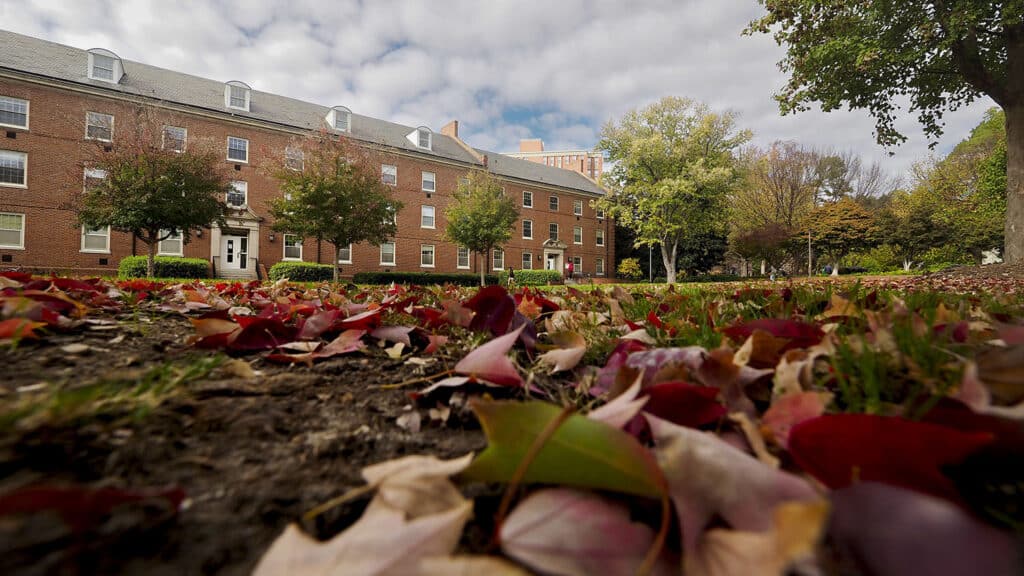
(340, 119)
(422, 137)
(105, 65)
(236, 95)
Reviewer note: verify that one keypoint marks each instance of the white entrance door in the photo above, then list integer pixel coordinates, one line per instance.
(552, 260)
(234, 252)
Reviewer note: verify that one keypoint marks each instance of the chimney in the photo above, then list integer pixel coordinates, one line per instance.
(531, 145)
(451, 129)
(485, 160)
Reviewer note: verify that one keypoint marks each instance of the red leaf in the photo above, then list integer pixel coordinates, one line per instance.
(315, 325)
(840, 449)
(494, 310)
(685, 404)
(19, 328)
(82, 507)
(606, 376)
(261, 333)
(363, 321)
(799, 334)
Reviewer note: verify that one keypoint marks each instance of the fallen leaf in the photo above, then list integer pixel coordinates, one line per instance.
(790, 410)
(707, 476)
(568, 532)
(621, 409)
(17, 328)
(409, 421)
(75, 348)
(583, 453)
(468, 566)
(490, 362)
(754, 439)
(685, 404)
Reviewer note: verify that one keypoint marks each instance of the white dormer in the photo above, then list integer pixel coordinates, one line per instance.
(104, 65)
(422, 137)
(236, 95)
(340, 119)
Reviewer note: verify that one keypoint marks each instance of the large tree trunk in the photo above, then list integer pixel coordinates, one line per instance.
(1014, 251)
(483, 268)
(151, 258)
(668, 257)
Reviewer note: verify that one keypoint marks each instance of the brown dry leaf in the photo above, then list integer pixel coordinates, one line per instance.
(238, 369)
(839, 306)
(1002, 372)
(797, 528)
(754, 438)
(789, 373)
(761, 350)
(617, 315)
(621, 295)
(944, 315)
(571, 348)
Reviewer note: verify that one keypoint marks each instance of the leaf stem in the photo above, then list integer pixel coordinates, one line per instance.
(524, 465)
(416, 380)
(338, 501)
(659, 540)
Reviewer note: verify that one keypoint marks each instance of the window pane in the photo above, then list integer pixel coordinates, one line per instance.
(553, 203)
(553, 231)
(12, 167)
(294, 158)
(527, 199)
(426, 216)
(11, 226)
(428, 181)
(237, 194)
(95, 239)
(389, 174)
(387, 253)
(345, 254)
(426, 255)
(238, 149)
(527, 229)
(499, 260)
(462, 260)
(577, 207)
(238, 97)
(13, 111)
(424, 139)
(600, 237)
(174, 138)
(102, 67)
(292, 246)
(527, 263)
(577, 235)
(99, 126)
(599, 266)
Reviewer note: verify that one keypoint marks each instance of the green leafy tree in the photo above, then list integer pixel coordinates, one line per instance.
(967, 189)
(629, 269)
(136, 186)
(480, 216)
(838, 228)
(911, 228)
(939, 54)
(334, 194)
(674, 168)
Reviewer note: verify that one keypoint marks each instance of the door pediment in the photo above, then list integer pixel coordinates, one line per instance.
(554, 244)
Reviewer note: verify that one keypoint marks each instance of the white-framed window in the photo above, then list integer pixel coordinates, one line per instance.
(13, 169)
(238, 196)
(13, 112)
(96, 239)
(599, 266)
(172, 245)
(389, 174)
(553, 231)
(527, 263)
(426, 255)
(553, 203)
(527, 199)
(12, 231)
(341, 119)
(237, 95)
(105, 67)
(429, 181)
(294, 159)
(577, 264)
(174, 138)
(424, 138)
(92, 176)
(577, 234)
(527, 229)
(292, 247)
(577, 207)
(345, 254)
(99, 126)
(462, 258)
(600, 237)
(426, 217)
(600, 213)
(387, 254)
(498, 259)
(238, 149)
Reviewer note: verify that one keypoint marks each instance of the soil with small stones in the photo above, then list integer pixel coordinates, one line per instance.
(988, 271)
(252, 454)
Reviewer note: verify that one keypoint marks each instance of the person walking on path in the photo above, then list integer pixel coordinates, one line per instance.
(511, 276)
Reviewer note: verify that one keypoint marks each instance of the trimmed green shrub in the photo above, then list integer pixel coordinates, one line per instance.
(301, 271)
(422, 278)
(533, 277)
(630, 269)
(164, 267)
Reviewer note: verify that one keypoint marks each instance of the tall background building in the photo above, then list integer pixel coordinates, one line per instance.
(586, 162)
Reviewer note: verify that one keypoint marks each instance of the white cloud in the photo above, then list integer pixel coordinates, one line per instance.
(577, 63)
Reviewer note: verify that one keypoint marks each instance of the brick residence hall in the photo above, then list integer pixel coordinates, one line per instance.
(56, 100)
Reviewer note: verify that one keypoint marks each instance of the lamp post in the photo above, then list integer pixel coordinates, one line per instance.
(650, 266)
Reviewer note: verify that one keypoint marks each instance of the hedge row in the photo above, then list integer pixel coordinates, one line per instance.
(302, 271)
(164, 267)
(533, 277)
(422, 278)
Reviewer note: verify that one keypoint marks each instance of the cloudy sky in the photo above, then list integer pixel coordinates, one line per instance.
(506, 69)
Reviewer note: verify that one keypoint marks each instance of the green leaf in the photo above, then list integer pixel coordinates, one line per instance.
(582, 452)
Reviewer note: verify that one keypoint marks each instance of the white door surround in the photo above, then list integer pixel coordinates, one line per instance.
(241, 224)
(234, 252)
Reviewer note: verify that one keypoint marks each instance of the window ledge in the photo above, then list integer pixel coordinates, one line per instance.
(83, 251)
(292, 260)
(8, 185)
(14, 126)
(2, 247)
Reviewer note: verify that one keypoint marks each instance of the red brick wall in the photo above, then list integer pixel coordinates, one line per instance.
(56, 150)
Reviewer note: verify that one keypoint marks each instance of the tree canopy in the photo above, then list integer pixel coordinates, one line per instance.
(673, 168)
(838, 228)
(134, 185)
(939, 54)
(480, 216)
(331, 191)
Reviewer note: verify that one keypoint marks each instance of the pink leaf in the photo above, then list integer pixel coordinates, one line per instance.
(709, 477)
(790, 410)
(393, 334)
(572, 532)
(490, 362)
(622, 409)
